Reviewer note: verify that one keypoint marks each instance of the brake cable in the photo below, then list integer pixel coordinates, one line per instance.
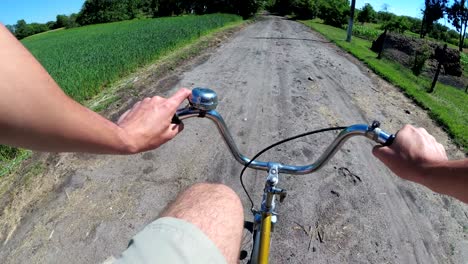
(274, 145)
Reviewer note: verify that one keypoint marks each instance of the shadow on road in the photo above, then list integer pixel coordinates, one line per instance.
(315, 40)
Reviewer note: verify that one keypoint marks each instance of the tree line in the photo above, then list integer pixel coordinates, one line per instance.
(336, 13)
(104, 11)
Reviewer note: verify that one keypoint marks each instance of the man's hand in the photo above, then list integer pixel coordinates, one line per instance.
(147, 125)
(412, 153)
(417, 156)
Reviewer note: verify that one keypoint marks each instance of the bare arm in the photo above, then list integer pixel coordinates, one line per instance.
(417, 156)
(36, 114)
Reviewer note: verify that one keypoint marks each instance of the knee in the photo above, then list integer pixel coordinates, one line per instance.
(202, 200)
(221, 194)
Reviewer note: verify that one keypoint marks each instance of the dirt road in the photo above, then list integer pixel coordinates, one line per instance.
(276, 78)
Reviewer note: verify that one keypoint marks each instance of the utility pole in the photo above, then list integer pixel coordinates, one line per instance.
(351, 20)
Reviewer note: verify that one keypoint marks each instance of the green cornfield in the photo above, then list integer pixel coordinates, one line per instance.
(366, 32)
(84, 60)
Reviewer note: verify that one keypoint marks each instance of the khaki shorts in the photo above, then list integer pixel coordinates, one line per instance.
(171, 240)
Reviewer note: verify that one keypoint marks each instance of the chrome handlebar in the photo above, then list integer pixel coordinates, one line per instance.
(203, 102)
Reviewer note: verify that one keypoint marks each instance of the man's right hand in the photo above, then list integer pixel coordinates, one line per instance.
(413, 152)
(147, 125)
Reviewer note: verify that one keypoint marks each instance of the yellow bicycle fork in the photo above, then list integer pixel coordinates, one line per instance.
(265, 234)
(268, 218)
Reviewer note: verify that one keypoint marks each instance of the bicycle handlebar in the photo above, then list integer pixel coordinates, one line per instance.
(203, 103)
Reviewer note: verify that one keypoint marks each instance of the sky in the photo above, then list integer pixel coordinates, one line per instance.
(39, 11)
(400, 7)
(42, 11)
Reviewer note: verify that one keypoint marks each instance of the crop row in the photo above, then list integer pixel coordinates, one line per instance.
(84, 60)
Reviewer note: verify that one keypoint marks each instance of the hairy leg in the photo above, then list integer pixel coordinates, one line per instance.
(217, 211)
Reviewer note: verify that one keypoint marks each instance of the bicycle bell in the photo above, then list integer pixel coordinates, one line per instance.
(203, 99)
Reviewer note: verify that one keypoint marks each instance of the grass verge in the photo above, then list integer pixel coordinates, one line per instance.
(9, 162)
(447, 105)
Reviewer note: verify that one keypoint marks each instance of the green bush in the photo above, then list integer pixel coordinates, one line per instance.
(421, 55)
(396, 24)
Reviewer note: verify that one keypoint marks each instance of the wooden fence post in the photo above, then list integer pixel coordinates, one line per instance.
(440, 59)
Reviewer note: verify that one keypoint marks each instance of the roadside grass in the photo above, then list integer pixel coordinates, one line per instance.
(11, 158)
(447, 105)
(86, 62)
(464, 63)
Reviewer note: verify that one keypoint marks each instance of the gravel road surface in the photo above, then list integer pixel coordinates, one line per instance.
(275, 78)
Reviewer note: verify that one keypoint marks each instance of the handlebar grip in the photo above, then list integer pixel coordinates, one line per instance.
(382, 137)
(389, 140)
(175, 120)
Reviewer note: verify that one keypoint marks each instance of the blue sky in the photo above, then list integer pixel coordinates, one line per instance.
(36, 10)
(400, 7)
(46, 10)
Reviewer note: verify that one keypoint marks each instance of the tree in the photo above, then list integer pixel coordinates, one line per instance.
(244, 8)
(304, 9)
(384, 16)
(103, 11)
(281, 7)
(414, 24)
(458, 16)
(50, 24)
(440, 32)
(433, 11)
(248, 8)
(72, 21)
(61, 21)
(396, 24)
(11, 28)
(367, 14)
(334, 12)
(21, 29)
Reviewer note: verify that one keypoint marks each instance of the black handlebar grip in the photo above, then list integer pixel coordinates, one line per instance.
(175, 120)
(389, 140)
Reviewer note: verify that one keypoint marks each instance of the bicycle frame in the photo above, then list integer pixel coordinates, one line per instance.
(265, 219)
(203, 102)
